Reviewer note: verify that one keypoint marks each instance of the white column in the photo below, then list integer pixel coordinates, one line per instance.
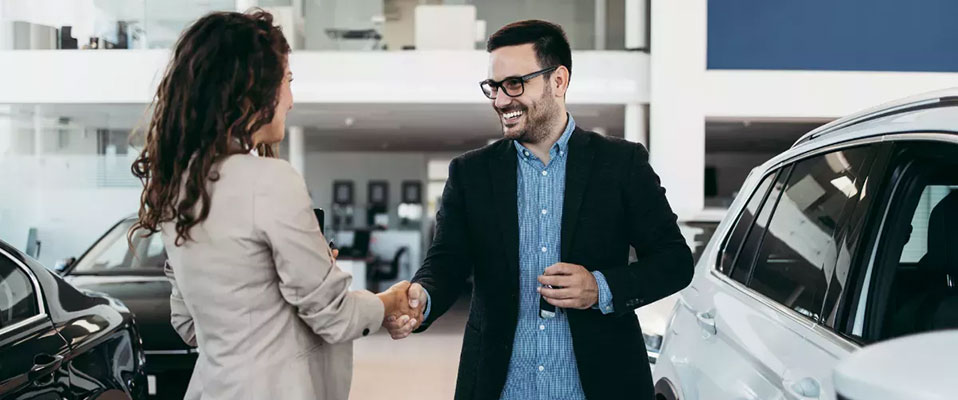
(636, 24)
(297, 149)
(600, 17)
(636, 124)
(676, 110)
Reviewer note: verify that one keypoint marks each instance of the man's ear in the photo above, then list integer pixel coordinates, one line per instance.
(560, 81)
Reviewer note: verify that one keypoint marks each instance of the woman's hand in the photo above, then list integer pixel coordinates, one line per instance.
(396, 302)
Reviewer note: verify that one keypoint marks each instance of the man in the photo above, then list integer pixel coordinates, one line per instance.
(549, 210)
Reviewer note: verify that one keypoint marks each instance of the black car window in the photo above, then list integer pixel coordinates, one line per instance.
(745, 259)
(914, 284)
(18, 298)
(798, 250)
(734, 241)
(112, 254)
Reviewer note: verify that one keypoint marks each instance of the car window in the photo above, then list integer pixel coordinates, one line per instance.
(798, 250)
(743, 224)
(913, 277)
(742, 266)
(113, 254)
(916, 247)
(18, 299)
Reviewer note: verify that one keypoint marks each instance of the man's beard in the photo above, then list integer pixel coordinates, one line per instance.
(539, 124)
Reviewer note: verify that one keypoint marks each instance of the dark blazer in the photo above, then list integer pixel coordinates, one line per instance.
(613, 200)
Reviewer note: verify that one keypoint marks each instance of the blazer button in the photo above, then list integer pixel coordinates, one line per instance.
(366, 332)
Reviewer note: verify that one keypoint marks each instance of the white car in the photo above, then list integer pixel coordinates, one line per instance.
(893, 370)
(697, 231)
(847, 239)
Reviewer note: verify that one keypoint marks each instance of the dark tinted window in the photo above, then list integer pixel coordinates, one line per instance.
(743, 224)
(798, 250)
(742, 266)
(18, 300)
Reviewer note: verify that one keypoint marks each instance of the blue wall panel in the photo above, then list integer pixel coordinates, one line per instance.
(861, 35)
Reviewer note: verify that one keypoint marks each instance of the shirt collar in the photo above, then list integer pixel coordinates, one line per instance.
(561, 145)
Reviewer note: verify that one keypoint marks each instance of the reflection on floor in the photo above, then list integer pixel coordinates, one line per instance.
(422, 366)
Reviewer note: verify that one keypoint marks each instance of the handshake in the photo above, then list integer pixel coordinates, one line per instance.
(405, 303)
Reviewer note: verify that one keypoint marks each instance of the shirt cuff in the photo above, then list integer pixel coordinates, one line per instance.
(425, 314)
(605, 295)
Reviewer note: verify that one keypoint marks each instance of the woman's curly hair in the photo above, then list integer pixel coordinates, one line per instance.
(221, 86)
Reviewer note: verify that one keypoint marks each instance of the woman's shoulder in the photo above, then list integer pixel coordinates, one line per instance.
(261, 166)
(262, 173)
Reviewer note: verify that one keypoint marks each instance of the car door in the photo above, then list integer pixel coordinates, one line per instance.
(750, 326)
(32, 353)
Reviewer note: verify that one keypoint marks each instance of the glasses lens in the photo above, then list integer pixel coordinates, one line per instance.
(512, 86)
(488, 90)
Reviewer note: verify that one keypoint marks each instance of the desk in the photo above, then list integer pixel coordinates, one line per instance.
(356, 268)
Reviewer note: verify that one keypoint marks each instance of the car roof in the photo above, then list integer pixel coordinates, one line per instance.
(916, 106)
(930, 112)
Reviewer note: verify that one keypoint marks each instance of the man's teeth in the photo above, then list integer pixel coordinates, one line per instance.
(514, 114)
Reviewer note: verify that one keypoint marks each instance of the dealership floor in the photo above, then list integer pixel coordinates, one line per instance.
(422, 366)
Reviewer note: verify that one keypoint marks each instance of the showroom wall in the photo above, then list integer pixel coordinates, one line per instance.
(848, 35)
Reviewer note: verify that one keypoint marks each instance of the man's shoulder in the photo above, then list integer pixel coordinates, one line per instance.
(608, 146)
(491, 150)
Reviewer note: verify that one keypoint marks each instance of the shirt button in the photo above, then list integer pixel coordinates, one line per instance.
(542, 327)
(561, 152)
(541, 368)
(544, 173)
(544, 211)
(525, 153)
(544, 249)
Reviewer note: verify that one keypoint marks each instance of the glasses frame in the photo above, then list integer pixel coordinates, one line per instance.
(497, 85)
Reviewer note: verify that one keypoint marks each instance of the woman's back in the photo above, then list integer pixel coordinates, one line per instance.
(256, 276)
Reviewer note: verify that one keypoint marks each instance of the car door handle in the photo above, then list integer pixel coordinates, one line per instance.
(803, 389)
(44, 365)
(706, 321)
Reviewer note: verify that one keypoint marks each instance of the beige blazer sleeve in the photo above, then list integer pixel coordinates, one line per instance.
(179, 316)
(309, 280)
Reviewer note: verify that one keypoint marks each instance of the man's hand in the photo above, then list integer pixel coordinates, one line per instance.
(399, 314)
(575, 286)
(399, 328)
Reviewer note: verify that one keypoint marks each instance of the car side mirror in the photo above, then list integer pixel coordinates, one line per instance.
(63, 264)
(909, 368)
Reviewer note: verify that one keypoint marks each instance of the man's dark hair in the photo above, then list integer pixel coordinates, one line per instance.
(548, 39)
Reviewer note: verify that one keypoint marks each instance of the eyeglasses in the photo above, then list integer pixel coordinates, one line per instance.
(513, 86)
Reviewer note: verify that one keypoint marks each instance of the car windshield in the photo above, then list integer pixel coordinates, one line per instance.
(113, 255)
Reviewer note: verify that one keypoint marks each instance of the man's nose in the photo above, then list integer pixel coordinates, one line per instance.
(502, 100)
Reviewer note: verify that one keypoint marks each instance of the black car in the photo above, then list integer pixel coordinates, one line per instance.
(59, 342)
(135, 276)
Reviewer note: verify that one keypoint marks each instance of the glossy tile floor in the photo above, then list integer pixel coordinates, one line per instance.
(422, 366)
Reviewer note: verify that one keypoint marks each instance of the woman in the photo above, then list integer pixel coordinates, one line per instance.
(255, 285)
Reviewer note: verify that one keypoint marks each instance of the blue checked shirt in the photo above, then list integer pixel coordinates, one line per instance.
(543, 365)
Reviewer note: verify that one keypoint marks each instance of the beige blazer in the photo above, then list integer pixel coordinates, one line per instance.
(258, 293)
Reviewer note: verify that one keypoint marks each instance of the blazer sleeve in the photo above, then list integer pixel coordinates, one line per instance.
(180, 316)
(447, 264)
(308, 278)
(664, 261)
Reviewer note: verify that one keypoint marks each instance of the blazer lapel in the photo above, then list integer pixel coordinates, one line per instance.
(578, 169)
(503, 179)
